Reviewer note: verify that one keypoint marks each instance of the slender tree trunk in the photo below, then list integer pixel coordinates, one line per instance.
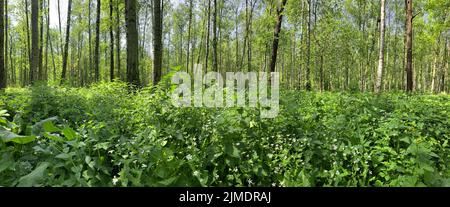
(308, 48)
(409, 46)
(237, 37)
(157, 41)
(433, 74)
(34, 64)
(61, 44)
(6, 39)
(66, 46)
(111, 36)
(447, 65)
(27, 28)
(191, 7)
(215, 54)
(132, 43)
(90, 37)
(276, 35)
(53, 59)
(208, 31)
(47, 40)
(3, 74)
(382, 45)
(97, 43)
(41, 41)
(249, 36)
(118, 40)
(12, 61)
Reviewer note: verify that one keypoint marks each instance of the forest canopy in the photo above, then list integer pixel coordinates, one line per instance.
(315, 45)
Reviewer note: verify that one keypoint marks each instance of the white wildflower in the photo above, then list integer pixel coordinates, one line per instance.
(115, 180)
(189, 157)
(196, 173)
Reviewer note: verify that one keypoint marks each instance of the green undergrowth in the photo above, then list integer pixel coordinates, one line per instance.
(106, 136)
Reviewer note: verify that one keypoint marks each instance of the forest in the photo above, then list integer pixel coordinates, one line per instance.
(86, 89)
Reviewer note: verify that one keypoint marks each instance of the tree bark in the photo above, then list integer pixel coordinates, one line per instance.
(157, 41)
(47, 41)
(308, 48)
(66, 46)
(6, 40)
(41, 42)
(2, 51)
(90, 37)
(208, 31)
(97, 43)
(118, 40)
(447, 65)
(276, 35)
(27, 28)
(191, 7)
(132, 43)
(215, 54)
(409, 46)
(61, 44)
(382, 45)
(34, 64)
(111, 36)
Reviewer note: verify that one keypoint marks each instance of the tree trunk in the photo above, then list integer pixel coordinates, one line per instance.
(215, 60)
(27, 28)
(2, 51)
(308, 48)
(276, 36)
(409, 46)
(132, 43)
(382, 45)
(97, 43)
(34, 64)
(118, 40)
(66, 46)
(446, 63)
(47, 41)
(433, 73)
(6, 40)
(157, 41)
(53, 60)
(111, 36)
(61, 44)
(41, 41)
(191, 7)
(90, 37)
(208, 31)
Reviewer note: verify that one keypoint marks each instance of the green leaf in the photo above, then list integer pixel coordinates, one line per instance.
(168, 182)
(37, 128)
(6, 162)
(53, 137)
(63, 156)
(33, 179)
(7, 136)
(50, 127)
(69, 133)
(232, 151)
